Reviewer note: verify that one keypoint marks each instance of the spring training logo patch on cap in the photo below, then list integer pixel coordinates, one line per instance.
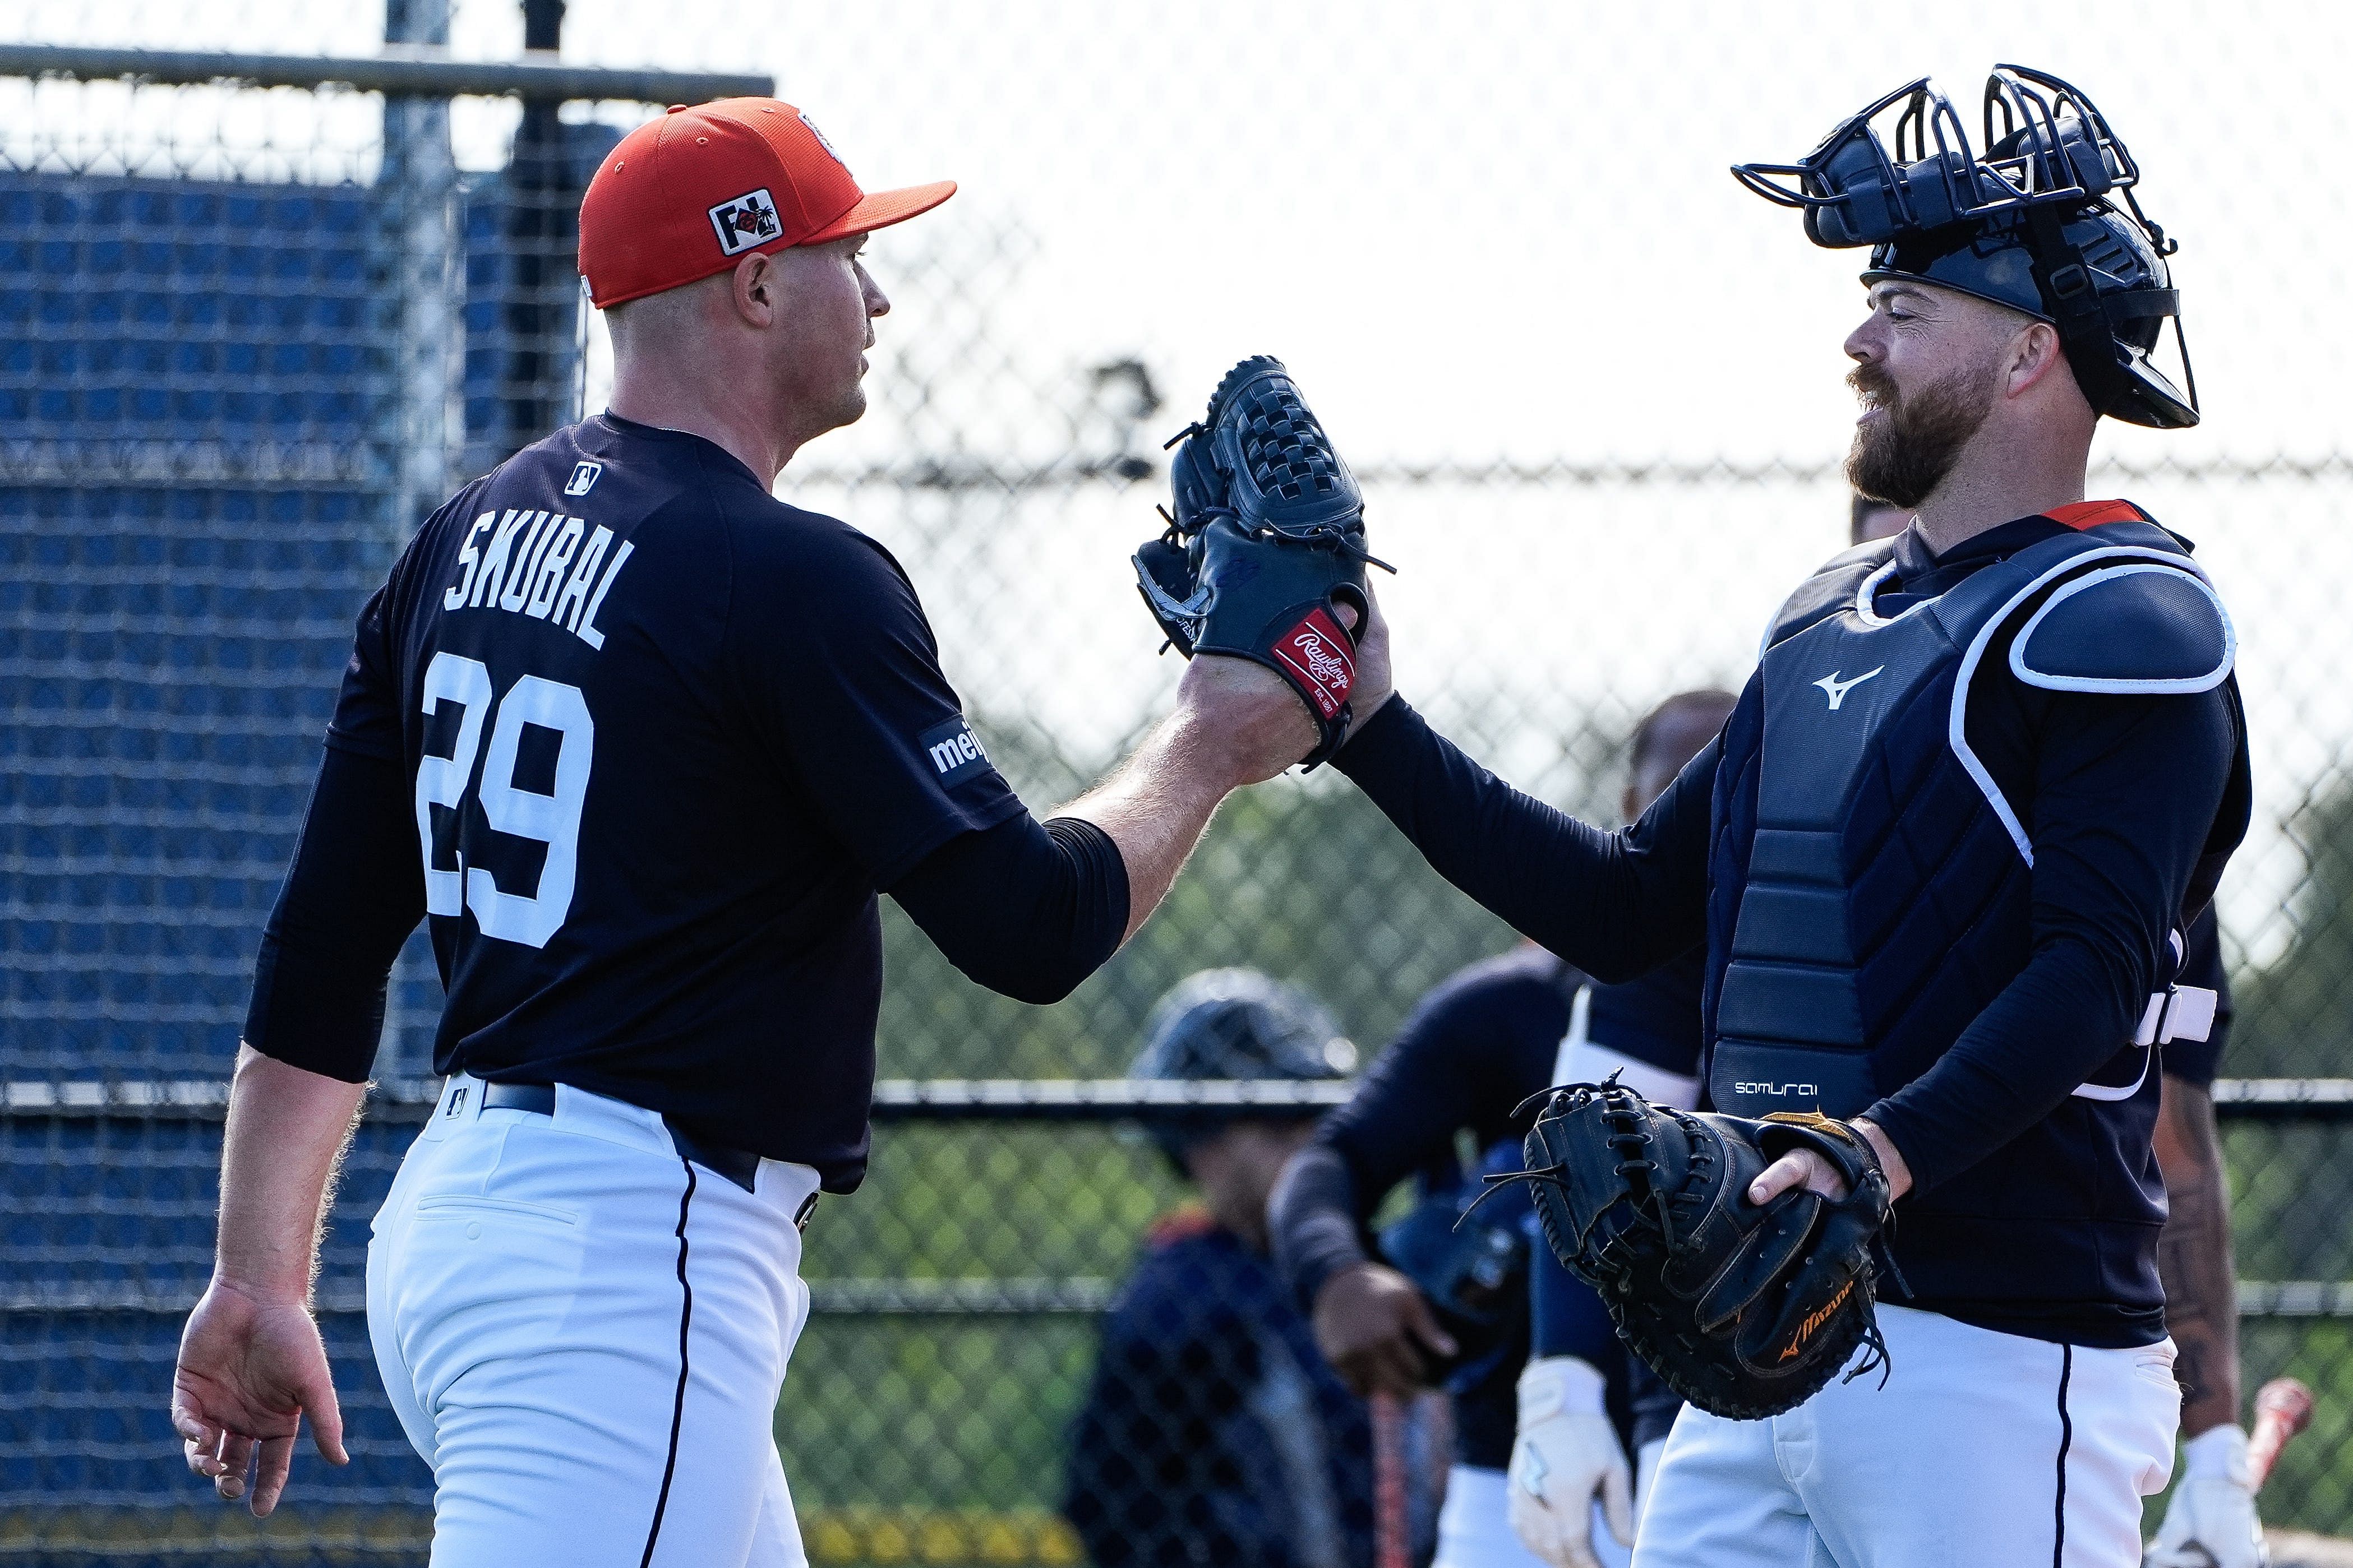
(745, 221)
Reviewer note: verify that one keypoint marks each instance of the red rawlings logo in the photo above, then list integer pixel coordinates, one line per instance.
(1316, 651)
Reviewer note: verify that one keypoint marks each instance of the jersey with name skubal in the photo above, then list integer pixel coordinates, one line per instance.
(669, 737)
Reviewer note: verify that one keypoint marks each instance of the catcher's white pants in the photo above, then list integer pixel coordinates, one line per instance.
(1984, 1449)
(585, 1337)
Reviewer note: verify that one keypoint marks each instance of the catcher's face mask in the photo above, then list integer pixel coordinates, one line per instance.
(2033, 224)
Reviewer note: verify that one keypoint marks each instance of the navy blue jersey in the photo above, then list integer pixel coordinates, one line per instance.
(2197, 1061)
(1214, 1431)
(669, 735)
(1482, 1040)
(2133, 800)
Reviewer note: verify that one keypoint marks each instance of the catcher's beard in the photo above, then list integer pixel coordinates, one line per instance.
(1902, 457)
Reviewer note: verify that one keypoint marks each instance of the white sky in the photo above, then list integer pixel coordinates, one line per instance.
(1478, 229)
(1494, 231)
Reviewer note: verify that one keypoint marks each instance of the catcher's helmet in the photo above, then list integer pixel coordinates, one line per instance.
(2032, 224)
(1237, 1023)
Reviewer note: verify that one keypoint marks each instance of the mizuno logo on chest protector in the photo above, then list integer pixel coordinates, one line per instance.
(1836, 689)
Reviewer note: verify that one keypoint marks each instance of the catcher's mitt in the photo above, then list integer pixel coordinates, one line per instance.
(1267, 543)
(1745, 1312)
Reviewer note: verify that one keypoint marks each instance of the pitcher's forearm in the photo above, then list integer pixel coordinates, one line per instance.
(286, 1134)
(1235, 722)
(1156, 807)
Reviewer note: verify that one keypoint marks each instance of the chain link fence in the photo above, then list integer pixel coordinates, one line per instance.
(256, 316)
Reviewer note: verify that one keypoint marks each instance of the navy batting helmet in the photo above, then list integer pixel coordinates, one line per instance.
(1469, 1258)
(1237, 1023)
(2034, 225)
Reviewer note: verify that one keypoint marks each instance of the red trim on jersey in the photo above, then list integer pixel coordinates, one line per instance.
(1182, 1224)
(2092, 514)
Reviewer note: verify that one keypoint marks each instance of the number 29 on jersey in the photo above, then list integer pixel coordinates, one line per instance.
(551, 819)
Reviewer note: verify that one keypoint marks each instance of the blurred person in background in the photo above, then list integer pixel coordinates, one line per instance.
(1213, 1431)
(1544, 1414)
(2211, 1521)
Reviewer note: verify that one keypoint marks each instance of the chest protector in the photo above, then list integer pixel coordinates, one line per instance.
(1871, 879)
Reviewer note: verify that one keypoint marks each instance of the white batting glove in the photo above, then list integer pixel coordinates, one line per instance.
(2212, 1522)
(1564, 1457)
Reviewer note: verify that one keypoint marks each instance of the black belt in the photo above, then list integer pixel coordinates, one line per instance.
(740, 1166)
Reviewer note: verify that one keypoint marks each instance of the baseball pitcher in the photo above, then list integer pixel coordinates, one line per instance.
(643, 743)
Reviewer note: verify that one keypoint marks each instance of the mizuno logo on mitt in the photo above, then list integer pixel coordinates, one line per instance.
(1815, 1319)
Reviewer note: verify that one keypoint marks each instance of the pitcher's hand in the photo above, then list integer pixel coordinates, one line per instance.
(1259, 725)
(250, 1369)
(1373, 678)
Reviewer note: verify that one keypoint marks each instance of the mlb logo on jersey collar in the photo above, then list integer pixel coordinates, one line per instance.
(584, 477)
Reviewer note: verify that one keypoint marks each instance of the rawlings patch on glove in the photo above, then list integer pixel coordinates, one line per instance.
(1266, 544)
(1745, 1312)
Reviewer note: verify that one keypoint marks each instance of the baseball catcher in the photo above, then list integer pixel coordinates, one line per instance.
(1936, 864)
(1266, 544)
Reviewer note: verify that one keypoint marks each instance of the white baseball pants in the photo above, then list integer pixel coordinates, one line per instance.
(586, 1336)
(1475, 1531)
(1983, 1449)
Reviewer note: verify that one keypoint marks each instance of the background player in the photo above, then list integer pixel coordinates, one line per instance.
(645, 743)
(2211, 1521)
(2026, 1325)
(1213, 1430)
(1476, 1048)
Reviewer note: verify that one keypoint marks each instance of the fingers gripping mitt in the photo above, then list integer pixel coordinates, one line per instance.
(1744, 1310)
(1265, 544)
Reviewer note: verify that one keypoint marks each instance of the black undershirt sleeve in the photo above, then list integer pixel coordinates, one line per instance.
(1442, 1072)
(1026, 909)
(2125, 794)
(1434, 1077)
(1614, 904)
(355, 890)
(1313, 1223)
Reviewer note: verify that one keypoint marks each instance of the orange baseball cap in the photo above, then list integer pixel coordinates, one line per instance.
(693, 193)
